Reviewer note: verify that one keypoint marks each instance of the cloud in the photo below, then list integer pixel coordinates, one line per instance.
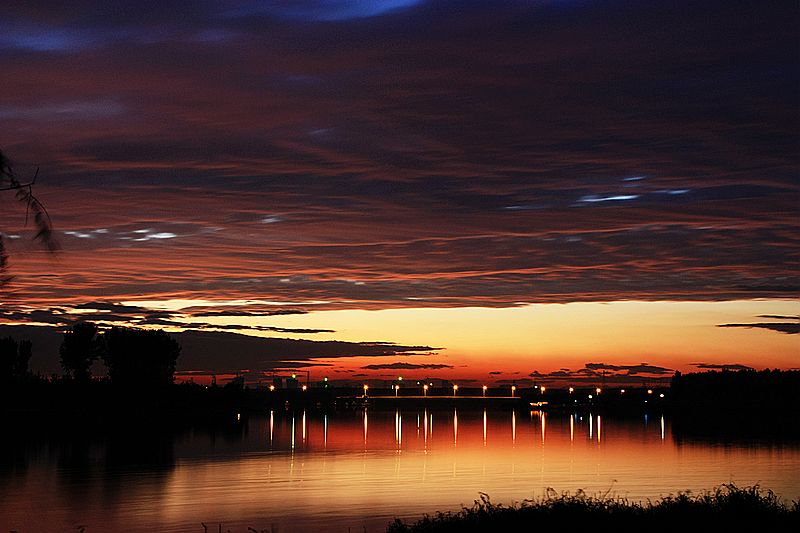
(111, 313)
(406, 366)
(721, 366)
(222, 352)
(389, 173)
(236, 312)
(791, 328)
(112, 307)
(603, 373)
(632, 370)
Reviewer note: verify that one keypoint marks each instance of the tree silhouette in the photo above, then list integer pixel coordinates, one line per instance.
(14, 358)
(141, 358)
(79, 349)
(23, 192)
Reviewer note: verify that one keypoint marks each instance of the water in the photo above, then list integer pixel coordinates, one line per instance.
(351, 471)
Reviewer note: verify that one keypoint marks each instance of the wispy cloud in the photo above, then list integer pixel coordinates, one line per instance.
(406, 366)
(409, 153)
(721, 366)
(791, 328)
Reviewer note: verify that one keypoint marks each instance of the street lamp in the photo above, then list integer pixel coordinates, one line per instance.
(366, 388)
(484, 390)
(396, 390)
(513, 389)
(649, 391)
(597, 390)
(455, 389)
(542, 388)
(305, 388)
(272, 388)
(571, 390)
(424, 390)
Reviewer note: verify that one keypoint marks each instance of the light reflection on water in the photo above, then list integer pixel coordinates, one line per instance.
(362, 468)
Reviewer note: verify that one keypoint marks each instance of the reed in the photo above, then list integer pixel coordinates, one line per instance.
(727, 508)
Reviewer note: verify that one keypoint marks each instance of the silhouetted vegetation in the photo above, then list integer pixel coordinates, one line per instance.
(23, 192)
(728, 508)
(14, 358)
(741, 405)
(740, 389)
(143, 358)
(79, 349)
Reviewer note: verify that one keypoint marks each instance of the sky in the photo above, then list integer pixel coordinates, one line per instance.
(495, 190)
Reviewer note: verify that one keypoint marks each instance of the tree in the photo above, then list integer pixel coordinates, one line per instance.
(14, 358)
(141, 358)
(23, 192)
(79, 349)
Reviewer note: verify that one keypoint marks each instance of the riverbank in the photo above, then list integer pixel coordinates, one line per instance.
(728, 508)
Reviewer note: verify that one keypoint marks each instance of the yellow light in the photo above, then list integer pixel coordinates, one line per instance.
(400, 378)
(622, 391)
(272, 387)
(485, 387)
(649, 391)
(366, 387)
(425, 387)
(455, 388)
(305, 387)
(597, 390)
(542, 388)
(571, 390)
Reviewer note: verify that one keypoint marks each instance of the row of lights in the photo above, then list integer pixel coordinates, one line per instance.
(542, 389)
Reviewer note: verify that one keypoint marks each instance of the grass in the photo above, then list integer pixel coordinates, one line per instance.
(727, 509)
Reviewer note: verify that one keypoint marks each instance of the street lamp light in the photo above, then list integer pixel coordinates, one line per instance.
(542, 388)
(513, 389)
(305, 387)
(424, 390)
(396, 390)
(272, 388)
(571, 390)
(366, 388)
(597, 390)
(484, 390)
(455, 389)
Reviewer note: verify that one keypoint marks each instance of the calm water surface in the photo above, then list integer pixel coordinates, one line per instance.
(347, 471)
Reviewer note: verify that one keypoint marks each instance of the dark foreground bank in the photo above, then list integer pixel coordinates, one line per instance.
(726, 509)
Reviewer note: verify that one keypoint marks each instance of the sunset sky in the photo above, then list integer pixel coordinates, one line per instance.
(465, 189)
